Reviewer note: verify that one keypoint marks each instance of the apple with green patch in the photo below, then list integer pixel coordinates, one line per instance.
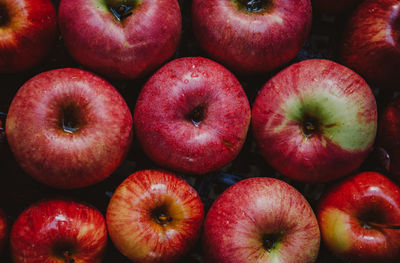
(360, 219)
(315, 121)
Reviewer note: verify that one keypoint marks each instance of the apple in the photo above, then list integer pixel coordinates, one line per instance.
(251, 36)
(335, 7)
(69, 128)
(28, 31)
(59, 231)
(389, 137)
(3, 230)
(192, 116)
(261, 220)
(154, 216)
(360, 219)
(315, 121)
(120, 38)
(371, 44)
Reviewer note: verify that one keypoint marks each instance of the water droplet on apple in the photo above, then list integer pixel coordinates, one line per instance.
(194, 75)
(186, 81)
(205, 74)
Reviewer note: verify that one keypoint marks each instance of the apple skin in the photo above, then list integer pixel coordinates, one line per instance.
(389, 137)
(365, 199)
(371, 44)
(59, 231)
(164, 123)
(337, 103)
(28, 31)
(135, 209)
(127, 49)
(3, 230)
(251, 210)
(251, 42)
(335, 7)
(70, 123)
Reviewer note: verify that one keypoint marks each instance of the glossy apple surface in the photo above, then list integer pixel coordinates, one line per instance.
(59, 231)
(3, 230)
(251, 36)
(371, 44)
(192, 116)
(315, 121)
(69, 128)
(146, 34)
(358, 218)
(389, 137)
(28, 31)
(335, 7)
(261, 220)
(154, 216)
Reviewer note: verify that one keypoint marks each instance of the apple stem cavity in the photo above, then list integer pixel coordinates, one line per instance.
(69, 118)
(196, 116)
(255, 5)
(121, 11)
(68, 257)
(163, 219)
(270, 241)
(4, 18)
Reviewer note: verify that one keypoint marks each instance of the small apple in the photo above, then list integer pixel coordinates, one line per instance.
(59, 231)
(371, 44)
(360, 219)
(389, 137)
(69, 128)
(3, 230)
(120, 38)
(261, 220)
(192, 116)
(315, 121)
(252, 36)
(335, 7)
(154, 216)
(28, 31)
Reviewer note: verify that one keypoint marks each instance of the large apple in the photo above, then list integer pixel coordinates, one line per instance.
(120, 38)
(59, 231)
(371, 44)
(3, 230)
(69, 128)
(192, 116)
(252, 36)
(360, 219)
(28, 31)
(154, 216)
(389, 137)
(335, 7)
(261, 220)
(315, 121)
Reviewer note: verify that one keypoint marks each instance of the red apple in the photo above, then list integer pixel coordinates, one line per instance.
(315, 121)
(59, 231)
(192, 116)
(389, 137)
(69, 128)
(371, 44)
(335, 7)
(154, 216)
(252, 36)
(120, 38)
(3, 230)
(358, 219)
(28, 31)
(261, 220)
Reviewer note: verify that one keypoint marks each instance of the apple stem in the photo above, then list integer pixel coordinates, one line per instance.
(377, 225)
(121, 12)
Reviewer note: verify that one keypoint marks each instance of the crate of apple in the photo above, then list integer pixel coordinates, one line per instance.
(200, 131)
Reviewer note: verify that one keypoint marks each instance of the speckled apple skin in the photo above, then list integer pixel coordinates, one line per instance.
(135, 232)
(371, 44)
(58, 158)
(250, 43)
(389, 137)
(174, 91)
(248, 210)
(339, 215)
(334, 94)
(52, 225)
(127, 49)
(28, 36)
(3, 230)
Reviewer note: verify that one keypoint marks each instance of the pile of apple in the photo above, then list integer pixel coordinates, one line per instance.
(120, 115)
